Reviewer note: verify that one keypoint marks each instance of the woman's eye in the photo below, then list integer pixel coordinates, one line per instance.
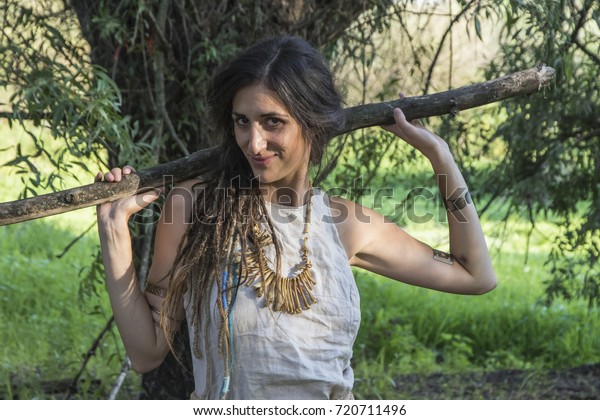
(241, 121)
(273, 122)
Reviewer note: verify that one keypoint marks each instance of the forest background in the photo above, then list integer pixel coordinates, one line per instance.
(88, 85)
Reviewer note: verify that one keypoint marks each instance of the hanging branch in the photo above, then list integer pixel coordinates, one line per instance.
(120, 379)
(88, 356)
(74, 241)
(449, 102)
(441, 44)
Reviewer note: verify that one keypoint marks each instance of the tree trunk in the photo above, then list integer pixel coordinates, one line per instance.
(160, 56)
(173, 379)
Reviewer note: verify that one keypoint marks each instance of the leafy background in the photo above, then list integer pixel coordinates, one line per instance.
(89, 85)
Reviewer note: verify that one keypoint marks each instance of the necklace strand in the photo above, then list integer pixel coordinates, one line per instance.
(286, 294)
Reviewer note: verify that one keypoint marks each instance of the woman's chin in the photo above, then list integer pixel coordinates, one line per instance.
(264, 177)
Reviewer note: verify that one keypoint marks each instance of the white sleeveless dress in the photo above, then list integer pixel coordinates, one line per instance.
(288, 356)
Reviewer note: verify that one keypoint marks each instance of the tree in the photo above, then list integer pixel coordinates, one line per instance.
(148, 62)
(132, 91)
(553, 145)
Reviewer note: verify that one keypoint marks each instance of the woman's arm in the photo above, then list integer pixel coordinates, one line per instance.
(376, 244)
(136, 313)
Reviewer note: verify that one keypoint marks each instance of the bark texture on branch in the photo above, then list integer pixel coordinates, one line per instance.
(449, 102)
(102, 192)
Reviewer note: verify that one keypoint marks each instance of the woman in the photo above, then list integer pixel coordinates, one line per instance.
(257, 259)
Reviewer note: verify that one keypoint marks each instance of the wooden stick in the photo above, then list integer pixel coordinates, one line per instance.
(449, 102)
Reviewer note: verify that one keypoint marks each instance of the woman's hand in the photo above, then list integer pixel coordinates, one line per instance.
(121, 210)
(144, 342)
(415, 134)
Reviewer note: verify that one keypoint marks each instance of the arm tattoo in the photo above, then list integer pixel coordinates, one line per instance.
(443, 257)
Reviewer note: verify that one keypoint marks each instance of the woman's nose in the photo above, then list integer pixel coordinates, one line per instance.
(257, 141)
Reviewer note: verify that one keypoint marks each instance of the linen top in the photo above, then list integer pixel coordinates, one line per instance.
(278, 355)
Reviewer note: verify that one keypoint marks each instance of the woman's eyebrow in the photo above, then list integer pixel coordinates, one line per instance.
(265, 115)
(274, 114)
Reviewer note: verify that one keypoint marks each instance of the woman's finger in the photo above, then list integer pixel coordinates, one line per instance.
(140, 201)
(117, 175)
(416, 122)
(401, 118)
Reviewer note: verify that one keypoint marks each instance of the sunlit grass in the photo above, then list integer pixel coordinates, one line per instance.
(47, 329)
(413, 330)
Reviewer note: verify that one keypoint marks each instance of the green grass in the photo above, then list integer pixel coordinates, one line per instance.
(47, 328)
(413, 330)
(418, 331)
(48, 324)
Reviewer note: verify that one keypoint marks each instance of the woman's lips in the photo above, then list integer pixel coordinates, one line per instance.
(262, 160)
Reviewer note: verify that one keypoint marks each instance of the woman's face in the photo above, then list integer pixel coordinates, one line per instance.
(269, 137)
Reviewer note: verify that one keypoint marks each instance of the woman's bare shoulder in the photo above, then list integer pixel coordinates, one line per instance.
(343, 213)
(193, 185)
(180, 201)
(356, 224)
(350, 214)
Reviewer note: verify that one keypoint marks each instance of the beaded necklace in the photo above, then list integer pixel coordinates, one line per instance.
(287, 294)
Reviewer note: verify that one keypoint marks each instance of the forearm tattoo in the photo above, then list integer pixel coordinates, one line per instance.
(443, 257)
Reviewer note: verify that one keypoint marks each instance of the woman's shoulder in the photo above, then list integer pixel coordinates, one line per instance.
(355, 223)
(186, 190)
(181, 200)
(348, 212)
(192, 185)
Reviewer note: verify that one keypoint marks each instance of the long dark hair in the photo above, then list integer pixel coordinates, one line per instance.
(297, 74)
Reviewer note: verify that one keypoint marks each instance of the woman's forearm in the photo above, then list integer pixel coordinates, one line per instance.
(467, 241)
(144, 341)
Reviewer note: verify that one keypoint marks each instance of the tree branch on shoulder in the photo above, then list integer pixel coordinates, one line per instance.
(196, 164)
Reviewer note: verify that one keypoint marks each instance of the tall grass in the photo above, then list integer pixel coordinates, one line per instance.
(413, 330)
(47, 329)
(48, 326)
